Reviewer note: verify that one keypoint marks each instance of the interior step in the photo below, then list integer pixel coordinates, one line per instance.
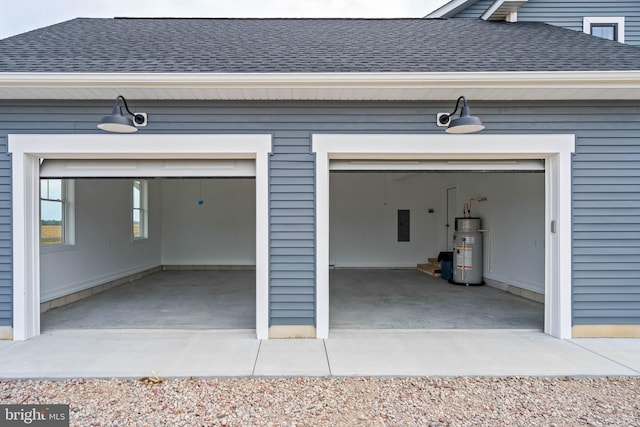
(432, 268)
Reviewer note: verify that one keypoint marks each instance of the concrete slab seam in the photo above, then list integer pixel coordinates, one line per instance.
(326, 354)
(604, 357)
(255, 362)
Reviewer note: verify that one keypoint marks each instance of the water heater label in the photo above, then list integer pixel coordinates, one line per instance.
(464, 258)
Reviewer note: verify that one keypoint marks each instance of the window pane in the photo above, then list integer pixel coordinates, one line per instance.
(51, 230)
(137, 230)
(139, 209)
(136, 194)
(44, 188)
(607, 31)
(55, 189)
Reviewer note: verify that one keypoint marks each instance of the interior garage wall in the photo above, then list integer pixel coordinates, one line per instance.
(363, 219)
(363, 229)
(104, 249)
(220, 231)
(513, 214)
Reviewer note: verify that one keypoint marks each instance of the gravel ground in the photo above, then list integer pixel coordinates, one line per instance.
(351, 401)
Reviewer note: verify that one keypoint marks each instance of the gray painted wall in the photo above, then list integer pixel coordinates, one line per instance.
(606, 181)
(569, 13)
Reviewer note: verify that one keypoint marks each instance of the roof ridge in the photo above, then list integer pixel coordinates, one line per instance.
(267, 19)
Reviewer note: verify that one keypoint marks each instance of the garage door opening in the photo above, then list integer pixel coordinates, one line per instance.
(133, 157)
(147, 253)
(386, 223)
(555, 150)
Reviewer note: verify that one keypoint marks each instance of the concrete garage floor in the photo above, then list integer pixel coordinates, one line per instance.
(409, 299)
(359, 299)
(166, 300)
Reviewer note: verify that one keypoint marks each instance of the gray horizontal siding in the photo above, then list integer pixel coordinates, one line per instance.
(606, 181)
(569, 13)
(292, 298)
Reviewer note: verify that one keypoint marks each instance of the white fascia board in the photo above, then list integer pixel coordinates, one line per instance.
(339, 86)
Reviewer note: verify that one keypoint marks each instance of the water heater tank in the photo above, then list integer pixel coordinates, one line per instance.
(467, 252)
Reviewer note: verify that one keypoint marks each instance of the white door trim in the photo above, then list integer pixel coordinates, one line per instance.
(119, 168)
(555, 149)
(28, 150)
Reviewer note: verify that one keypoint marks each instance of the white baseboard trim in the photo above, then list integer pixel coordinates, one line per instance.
(204, 267)
(515, 290)
(95, 281)
(96, 289)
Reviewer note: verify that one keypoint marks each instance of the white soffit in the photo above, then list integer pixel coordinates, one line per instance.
(501, 9)
(325, 86)
(123, 168)
(451, 8)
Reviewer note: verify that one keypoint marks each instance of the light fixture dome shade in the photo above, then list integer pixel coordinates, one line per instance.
(118, 123)
(468, 124)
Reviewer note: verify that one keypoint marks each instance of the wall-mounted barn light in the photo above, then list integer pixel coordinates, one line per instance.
(466, 123)
(117, 122)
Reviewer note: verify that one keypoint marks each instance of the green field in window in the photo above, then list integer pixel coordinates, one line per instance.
(51, 234)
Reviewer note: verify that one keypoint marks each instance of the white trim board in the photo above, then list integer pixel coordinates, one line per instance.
(59, 168)
(555, 149)
(417, 86)
(587, 21)
(437, 165)
(28, 150)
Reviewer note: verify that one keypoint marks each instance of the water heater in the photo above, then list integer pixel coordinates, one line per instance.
(467, 252)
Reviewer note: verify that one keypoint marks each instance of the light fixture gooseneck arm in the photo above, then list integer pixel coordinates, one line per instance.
(444, 119)
(464, 103)
(138, 118)
(126, 107)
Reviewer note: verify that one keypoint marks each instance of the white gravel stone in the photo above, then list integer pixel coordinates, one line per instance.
(350, 401)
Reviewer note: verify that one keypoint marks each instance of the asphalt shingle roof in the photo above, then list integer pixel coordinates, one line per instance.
(175, 45)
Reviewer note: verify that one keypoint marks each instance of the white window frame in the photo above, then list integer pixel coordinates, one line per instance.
(68, 216)
(588, 21)
(143, 203)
